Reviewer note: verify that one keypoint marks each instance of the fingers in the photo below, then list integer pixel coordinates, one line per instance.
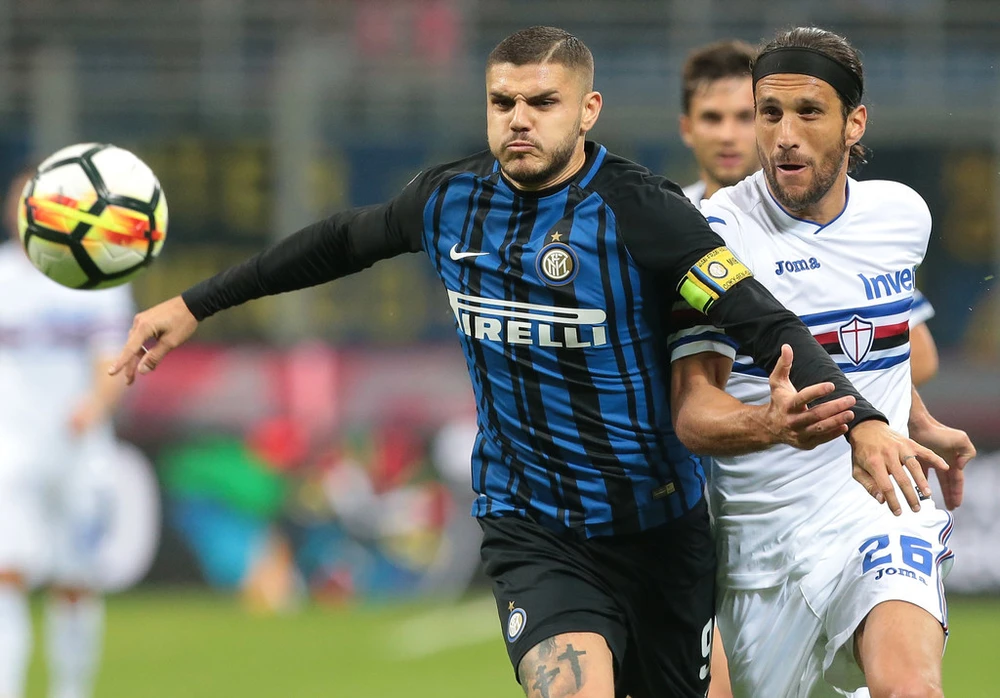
(952, 487)
(912, 491)
(884, 483)
(826, 410)
(783, 367)
(868, 482)
(827, 430)
(814, 392)
(151, 358)
(133, 349)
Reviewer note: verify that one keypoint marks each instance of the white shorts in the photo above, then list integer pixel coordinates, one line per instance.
(796, 639)
(54, 509)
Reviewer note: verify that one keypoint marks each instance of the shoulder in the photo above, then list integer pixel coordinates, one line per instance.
(887, 201)
(426, 181)
(734, 211)
(633, 191)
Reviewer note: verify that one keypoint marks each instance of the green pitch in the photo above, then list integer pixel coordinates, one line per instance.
(165, 645)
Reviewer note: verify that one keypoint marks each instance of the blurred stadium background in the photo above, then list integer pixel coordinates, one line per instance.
(308, 450)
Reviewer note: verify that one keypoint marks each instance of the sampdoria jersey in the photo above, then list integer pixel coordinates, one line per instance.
(50, 337)
(695, 192)
(852, 282)
(562, 302)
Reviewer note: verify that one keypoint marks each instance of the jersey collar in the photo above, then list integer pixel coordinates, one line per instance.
(785, 221)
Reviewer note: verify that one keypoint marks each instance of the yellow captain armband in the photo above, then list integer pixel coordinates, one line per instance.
(710, 277)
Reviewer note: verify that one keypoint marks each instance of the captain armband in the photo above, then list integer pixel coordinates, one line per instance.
(710, 277)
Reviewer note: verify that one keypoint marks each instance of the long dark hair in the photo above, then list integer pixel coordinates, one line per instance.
(836, 48)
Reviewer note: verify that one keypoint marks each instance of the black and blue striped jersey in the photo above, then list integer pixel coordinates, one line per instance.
(562, 302)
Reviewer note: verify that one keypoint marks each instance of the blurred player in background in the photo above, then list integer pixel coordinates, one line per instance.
(55, 442)
(822, 591)
(562, 262)
(717, 123)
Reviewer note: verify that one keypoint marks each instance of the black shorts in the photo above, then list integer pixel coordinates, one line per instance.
(651, 595)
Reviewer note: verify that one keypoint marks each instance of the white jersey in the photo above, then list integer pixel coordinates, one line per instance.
(695, 192)
(50, 337)
(852, 283)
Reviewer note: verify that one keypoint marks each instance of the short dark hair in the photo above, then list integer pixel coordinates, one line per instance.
(715, 61)
(544, 45)
(836, 48)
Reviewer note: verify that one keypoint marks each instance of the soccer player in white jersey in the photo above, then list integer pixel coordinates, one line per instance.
(55, 439)
(822, 590)
(718, 126)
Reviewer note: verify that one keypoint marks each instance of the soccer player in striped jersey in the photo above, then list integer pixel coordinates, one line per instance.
(822, 590)
(561, 263)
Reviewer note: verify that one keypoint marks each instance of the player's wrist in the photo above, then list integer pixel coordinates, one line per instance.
(770, 426)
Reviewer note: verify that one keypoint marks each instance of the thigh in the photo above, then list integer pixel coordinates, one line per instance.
(568, 664)
(547, 588)
(899, 645)
(666, 578)
(772, 640)
(896, 559)
(81, 516)
(25, 527)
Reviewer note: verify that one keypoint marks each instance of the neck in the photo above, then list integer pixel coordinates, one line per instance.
(574, 165)
(827, 208)
(711, 185)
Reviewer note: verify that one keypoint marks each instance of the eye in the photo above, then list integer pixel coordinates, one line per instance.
(770, 113)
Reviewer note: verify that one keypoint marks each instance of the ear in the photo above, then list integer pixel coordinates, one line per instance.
(591, 108)
(685, 130)
(857, 121)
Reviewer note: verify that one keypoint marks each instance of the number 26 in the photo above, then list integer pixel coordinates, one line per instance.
(915, 553)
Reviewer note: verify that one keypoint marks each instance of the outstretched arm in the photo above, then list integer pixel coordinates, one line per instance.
(711, 422)
(345, 243)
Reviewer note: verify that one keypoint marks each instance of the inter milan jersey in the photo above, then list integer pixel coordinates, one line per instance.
(562, 302)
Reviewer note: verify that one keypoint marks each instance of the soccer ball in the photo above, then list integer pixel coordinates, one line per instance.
(93, 216)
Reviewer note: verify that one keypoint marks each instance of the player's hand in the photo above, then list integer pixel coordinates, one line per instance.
(87, 413)
(169, 324)
(880, 456)
(790, 419)
(955, 447)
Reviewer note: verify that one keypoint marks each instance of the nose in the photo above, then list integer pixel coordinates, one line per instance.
(787, 137)
(519, 117)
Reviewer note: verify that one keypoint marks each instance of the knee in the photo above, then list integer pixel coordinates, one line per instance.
(71, 594)
(910, 687)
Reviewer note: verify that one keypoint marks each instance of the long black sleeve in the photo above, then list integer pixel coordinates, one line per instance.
(342, 244)
(751, 315)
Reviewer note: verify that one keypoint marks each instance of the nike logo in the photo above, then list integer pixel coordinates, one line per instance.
(456, 255)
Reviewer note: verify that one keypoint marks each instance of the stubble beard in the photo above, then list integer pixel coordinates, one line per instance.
(824, 176)
(561, 156)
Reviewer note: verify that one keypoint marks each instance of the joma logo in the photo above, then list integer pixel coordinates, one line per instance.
(793, 266)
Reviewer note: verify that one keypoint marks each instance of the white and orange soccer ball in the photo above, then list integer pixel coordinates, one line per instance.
(93, 216)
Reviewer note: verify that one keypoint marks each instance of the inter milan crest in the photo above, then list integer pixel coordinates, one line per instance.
(515, 623)
(557, 262)
(856, 337)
